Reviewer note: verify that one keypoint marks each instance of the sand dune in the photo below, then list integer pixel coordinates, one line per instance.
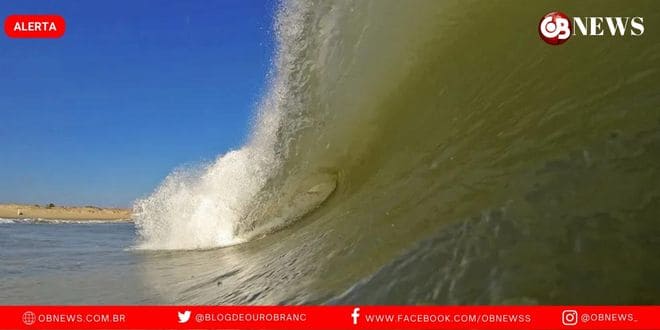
(18, 211)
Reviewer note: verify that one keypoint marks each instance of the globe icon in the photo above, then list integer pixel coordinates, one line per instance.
(29, 318)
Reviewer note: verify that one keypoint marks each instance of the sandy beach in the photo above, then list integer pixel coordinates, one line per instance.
(19, 211)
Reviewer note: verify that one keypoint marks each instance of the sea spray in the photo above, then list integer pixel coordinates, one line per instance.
(201, 207)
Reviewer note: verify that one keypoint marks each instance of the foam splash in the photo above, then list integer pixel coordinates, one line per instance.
(189, 211)
(202, 208)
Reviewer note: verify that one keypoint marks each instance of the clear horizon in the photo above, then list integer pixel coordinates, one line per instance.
(102, 115)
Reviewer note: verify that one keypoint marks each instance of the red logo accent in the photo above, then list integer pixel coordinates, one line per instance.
(35, 26)
(555, 28)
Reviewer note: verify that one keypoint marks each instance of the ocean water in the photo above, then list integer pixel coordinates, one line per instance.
(69, 263)
(417, 152)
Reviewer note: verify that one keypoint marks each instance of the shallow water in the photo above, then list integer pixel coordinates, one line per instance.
(43, 263)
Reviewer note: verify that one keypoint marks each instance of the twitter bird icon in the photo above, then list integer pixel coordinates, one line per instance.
(184, 317)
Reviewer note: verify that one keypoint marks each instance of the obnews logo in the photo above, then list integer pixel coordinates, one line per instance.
(556, 28)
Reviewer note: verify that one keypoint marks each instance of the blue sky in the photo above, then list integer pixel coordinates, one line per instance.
(131, 91)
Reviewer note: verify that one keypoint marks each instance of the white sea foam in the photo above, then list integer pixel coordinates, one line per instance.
(200, 208)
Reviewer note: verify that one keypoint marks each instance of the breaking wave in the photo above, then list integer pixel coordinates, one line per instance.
(428, 152)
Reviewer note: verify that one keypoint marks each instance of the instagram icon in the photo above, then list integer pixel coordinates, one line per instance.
(569, 317)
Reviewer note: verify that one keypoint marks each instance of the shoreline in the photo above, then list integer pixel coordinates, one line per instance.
(64, 213)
